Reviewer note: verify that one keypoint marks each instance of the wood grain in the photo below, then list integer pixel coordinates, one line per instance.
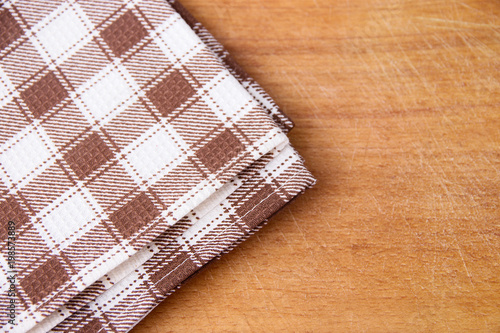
(397, 112)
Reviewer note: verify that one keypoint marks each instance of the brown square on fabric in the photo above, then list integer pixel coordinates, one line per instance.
(44, 280)
(10, 210)
(218, 152)
(88, 156)
(44, 94)
(134, 215)
(169, 276)
(260, 206)
(124, 33)
(170, 93)
(10, 30)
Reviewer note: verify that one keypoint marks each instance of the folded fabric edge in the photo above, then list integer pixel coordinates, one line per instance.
(218, 257)
(144, 300)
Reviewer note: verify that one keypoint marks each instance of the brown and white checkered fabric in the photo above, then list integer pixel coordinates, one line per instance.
(128, 267)
(147, 252)
(101, 152)
(196, 240)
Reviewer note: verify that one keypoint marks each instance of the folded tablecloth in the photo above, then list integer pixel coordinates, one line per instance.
(122, 306)
(124, 119)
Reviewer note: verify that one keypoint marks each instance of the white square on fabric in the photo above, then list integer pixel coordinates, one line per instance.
(24, 156)
(153, 154)
(178, 39)
(63, 32)
(109, 90)
(229, 96)
(68, 217)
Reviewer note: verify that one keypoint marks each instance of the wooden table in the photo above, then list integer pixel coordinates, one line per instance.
(397, 112)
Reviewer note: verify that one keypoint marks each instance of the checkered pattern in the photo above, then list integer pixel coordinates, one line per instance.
(99, 147)
(201, 236)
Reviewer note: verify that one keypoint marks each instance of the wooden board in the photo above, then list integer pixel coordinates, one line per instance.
(397, 112)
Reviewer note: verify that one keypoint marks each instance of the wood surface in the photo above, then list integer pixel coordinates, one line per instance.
(397, 112)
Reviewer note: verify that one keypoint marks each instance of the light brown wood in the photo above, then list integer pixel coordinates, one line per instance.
(397, 112)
